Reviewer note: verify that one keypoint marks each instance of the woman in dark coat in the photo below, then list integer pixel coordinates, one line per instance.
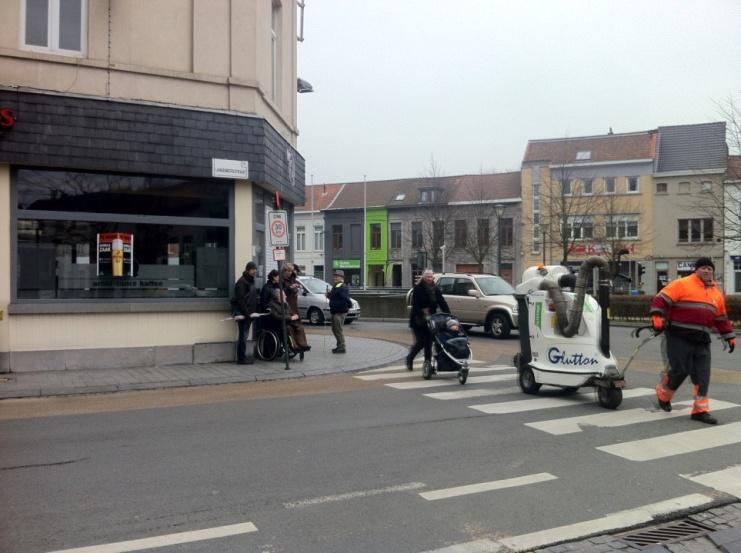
(426, 300)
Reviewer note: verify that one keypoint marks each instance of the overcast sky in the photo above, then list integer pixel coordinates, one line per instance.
(468, 82)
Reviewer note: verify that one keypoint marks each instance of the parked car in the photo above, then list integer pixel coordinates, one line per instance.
(479, 300)
(313, 304)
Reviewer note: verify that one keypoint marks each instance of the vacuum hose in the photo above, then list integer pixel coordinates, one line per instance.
(569, 321)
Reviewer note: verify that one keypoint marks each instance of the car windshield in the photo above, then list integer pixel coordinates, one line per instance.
(315, 285)
(494, 286)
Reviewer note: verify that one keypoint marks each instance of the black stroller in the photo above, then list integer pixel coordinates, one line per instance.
(451, 350)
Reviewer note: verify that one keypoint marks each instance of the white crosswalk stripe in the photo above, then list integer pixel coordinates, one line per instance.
(452, 381)
(676, 444)
(391, 375)
(387, 376)
(726, 480)
(536, 404)
(613, 419)
(474, 392)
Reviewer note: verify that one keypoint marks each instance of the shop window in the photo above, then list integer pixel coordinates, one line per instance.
(91, 236)
(461, 233)
(58, 26)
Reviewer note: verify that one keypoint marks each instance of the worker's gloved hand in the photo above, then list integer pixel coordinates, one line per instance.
(731, 344)
(657, 323)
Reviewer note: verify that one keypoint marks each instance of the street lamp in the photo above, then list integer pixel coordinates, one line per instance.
(442, 249)
(499, 209)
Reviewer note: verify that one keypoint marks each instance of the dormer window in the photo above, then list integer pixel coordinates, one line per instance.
(400, 197)
(583, 155)
(429, 195)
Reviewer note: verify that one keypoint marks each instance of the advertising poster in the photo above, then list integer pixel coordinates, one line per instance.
(115, 254)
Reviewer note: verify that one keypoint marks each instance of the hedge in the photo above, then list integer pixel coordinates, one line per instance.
(635, 308)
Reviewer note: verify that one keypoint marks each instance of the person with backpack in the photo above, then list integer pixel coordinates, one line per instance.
(339, 305)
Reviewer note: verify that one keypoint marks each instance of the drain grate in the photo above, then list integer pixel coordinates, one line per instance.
(667, 533)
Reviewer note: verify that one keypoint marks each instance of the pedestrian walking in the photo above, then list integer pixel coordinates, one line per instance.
(426, 300)
(244, 304)
(292, 287)
(687, 310)
(339, 305)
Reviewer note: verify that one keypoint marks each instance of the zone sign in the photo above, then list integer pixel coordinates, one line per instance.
(278, 223)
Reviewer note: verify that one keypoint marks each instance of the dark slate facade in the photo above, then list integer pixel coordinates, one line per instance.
(66, 132)
(692, 147)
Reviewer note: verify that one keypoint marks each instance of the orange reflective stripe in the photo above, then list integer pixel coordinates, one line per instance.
(701, 406)
(664, 393)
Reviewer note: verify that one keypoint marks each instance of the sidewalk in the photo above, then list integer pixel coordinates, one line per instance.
(362, 353)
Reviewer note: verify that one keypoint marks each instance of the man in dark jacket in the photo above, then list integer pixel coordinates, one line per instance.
(339, 305)
(244, 304)
(426, 299)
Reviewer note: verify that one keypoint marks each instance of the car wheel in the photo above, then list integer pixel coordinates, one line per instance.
(316, 317)
(498, 326)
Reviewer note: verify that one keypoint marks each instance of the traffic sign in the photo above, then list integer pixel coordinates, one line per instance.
(279, 254)
(278, 225)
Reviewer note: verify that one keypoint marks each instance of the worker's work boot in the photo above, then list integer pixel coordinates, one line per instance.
(705, 417)
(665, 405)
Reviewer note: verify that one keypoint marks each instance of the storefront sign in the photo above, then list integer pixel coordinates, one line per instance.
(7, 119)
(600, 249)
(115, 254)
(346, 264)
(229, 168)
(686, 266)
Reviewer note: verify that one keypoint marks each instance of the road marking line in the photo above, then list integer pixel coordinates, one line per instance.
(618, 418)
(166, 540)
(726, 480)
(353, 495)
(473, 392)
(487, 486)
(385, 369)
(450, 381)
(676, 444)
(609, 523)
(536, 404)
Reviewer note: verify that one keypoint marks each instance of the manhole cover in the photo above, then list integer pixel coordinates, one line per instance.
(666, 533)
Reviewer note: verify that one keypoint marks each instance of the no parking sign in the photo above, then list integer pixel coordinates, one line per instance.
(278, 225)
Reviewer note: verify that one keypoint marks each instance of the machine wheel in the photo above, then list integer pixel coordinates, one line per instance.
(609, 398)
(517, 360)
(316, 317)
(497, 325)
(526, 378)
(426, 370)
(462, 376)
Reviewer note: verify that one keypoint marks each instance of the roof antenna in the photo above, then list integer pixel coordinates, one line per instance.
(610, 131)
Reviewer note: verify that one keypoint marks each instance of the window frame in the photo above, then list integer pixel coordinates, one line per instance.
(695, 226)
(375, 236)
(612, 184)
(417, 236)
(41, 305)
(53, 30)
(300, 238)
(395, 236)
(665, 190)
(629, 181)
(318, 238)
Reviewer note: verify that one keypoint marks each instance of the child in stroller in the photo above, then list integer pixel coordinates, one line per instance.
(451, 349)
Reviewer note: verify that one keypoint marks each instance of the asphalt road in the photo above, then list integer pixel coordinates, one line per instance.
(342, 464)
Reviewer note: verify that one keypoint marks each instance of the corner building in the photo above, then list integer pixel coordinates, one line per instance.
(140, 147)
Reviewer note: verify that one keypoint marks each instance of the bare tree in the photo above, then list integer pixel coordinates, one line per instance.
(616, 230)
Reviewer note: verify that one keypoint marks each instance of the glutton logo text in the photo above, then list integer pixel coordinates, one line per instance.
(558, 357)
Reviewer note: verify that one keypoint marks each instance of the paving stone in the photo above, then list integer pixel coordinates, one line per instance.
(723, 537)
(733, 547)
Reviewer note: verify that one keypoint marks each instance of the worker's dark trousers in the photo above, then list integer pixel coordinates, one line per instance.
(687, 358)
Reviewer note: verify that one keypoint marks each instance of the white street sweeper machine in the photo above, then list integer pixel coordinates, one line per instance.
(565, 335)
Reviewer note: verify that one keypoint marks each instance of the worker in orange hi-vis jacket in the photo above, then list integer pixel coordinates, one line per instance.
(688, 309)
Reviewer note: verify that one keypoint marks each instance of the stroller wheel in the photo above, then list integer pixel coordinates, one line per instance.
(462, 376)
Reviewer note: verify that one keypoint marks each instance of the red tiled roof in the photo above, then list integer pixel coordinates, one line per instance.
(319, 196)
(608, 147)
(498, 186)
